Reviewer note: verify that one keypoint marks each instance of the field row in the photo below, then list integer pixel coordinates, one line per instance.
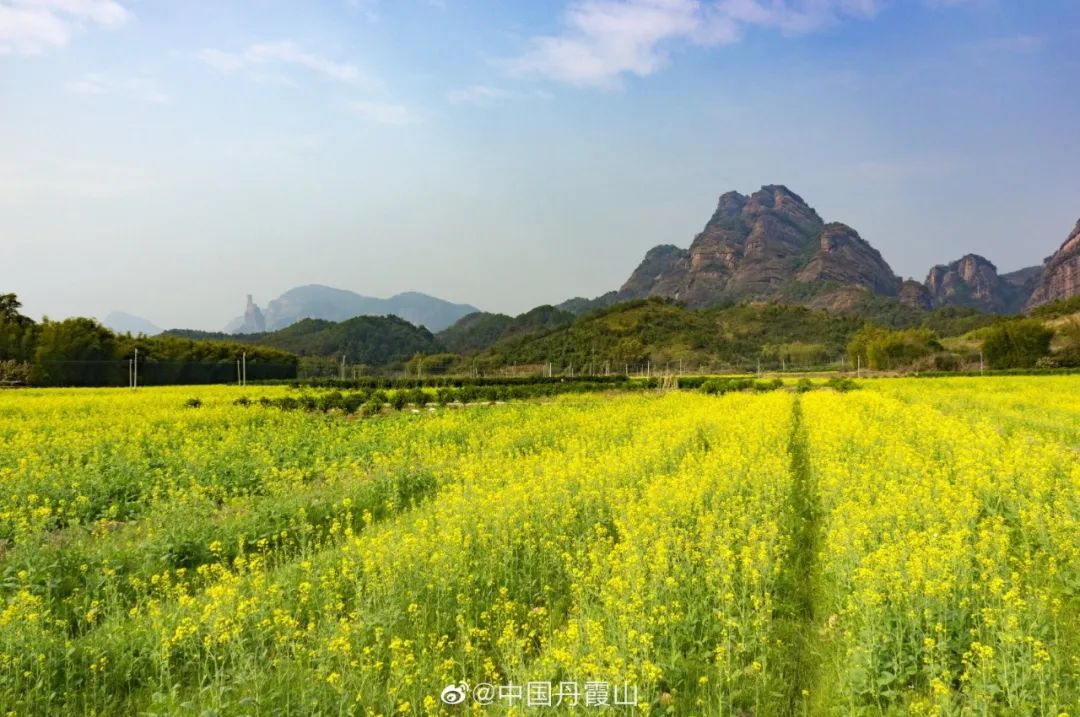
(911, 548)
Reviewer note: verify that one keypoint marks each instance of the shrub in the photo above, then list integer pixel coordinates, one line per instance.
(884, 350)
(946, 362)
(193, 403)
(1016, 344)
(842, 384)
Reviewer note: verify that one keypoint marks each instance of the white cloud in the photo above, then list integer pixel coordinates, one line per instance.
(268, 54)
(606, 39)
(484, 95)
(385, 112)
(30, 27)
(141, 87)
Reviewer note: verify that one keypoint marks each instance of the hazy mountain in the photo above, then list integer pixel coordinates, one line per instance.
(324, 302)
(124, 323)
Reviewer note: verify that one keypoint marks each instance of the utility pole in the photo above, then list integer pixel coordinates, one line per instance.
(244, 373)
(342, 367)
(239, 374)
(982, 363)
(135, 371)
(858, 370)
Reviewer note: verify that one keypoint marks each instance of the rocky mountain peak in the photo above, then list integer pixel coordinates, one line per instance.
(753, 247)
(844, 257)
(730, 206)
(1061, 275)
(973, 281)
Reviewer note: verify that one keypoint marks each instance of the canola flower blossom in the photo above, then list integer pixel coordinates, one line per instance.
(910, 548)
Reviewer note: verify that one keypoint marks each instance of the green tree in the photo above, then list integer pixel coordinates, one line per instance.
(1016, 344)
(76, 352)
(17, 332)
(884, 350)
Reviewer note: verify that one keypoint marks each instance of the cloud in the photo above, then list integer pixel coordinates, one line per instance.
(140, 87)
(385, 112)
(261, 56)
(603, 40)
(485, 95)
(30, 27)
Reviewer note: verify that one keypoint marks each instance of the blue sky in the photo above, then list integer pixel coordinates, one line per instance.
(167, 158)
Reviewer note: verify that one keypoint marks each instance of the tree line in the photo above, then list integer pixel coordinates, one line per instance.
(81, 352)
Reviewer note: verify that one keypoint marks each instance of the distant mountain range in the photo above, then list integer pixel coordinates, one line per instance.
(124, 323)
(772, 246)
(768, 246)
(324, 302)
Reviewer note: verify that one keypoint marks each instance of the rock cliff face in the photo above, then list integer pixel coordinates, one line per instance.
(254, 322)
(916, 295)
(1061, 274)
(974, 281)
(844, 257)
(758, 247)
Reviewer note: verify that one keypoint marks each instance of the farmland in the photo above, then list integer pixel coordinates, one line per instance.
(912, 547)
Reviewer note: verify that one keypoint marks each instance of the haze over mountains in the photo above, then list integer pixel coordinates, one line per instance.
(767, 246)
(323, 302)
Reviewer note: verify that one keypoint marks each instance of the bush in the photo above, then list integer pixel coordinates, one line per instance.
(193, 403)
(1016, 344)
(884, 350)
(842, 385)
(15, 372)
(947, 362)
(804, 385)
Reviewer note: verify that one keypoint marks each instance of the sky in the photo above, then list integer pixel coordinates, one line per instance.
(167, 158)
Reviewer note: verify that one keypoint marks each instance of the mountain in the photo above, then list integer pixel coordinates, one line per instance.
(974, 281)
(480, 330)
(580, 305)
(324, 302)
(915, 295)
(372, 340)
(1060, 277)
(768, 245)
(772, 246)
(124, 323)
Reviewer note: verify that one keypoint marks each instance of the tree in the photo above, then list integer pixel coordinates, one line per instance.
(17, 332)
(1016, 344)
(883, 350)
(76, 352)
